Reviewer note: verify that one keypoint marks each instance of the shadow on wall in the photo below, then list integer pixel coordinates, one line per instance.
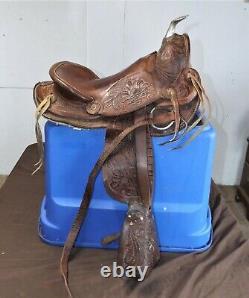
(222, 137)
(242, 135)
(217, 111)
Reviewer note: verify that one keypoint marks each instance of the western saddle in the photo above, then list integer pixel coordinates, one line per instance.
(158, 95)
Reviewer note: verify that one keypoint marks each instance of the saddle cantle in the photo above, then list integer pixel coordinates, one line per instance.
(159, 94)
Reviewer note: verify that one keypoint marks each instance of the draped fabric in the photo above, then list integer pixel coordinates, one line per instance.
(29, 267)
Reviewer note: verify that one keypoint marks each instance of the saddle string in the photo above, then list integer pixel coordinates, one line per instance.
(180, 133)
(177, 118)
(40, 110)
(205, 114)
(204, 100)
(175, 103)
(82, 211)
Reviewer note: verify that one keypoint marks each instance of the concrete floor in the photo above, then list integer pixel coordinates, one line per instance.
(237, 208)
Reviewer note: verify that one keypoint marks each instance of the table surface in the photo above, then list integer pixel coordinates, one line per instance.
(29, 267)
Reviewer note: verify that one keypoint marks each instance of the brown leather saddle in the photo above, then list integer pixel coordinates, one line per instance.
(157, 95)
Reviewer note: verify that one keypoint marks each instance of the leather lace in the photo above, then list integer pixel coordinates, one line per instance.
(203, 116)
(40, 110)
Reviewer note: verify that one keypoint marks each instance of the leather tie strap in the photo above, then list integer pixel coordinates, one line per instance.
(82, 212)
(40, 110)
(141, 144)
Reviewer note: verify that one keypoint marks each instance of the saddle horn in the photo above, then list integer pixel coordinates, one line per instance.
(172, 25)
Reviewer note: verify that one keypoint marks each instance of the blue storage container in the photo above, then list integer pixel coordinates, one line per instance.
(181, 190)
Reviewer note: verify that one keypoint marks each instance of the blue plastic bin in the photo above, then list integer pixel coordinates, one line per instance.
(181, 190)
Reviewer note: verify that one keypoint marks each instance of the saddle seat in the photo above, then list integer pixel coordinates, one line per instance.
(82, 99)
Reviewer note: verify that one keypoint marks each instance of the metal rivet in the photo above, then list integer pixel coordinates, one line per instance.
(93, 108)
